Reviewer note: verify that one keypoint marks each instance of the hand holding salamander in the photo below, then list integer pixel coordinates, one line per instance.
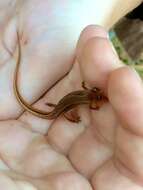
(93, 97)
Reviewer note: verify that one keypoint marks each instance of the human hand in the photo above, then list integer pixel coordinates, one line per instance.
(46, 26)
(42, 154)
(104, 148)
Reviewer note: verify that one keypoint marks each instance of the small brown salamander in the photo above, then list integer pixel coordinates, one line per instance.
(93, 97)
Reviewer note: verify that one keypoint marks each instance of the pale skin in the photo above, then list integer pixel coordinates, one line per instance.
(104, 150)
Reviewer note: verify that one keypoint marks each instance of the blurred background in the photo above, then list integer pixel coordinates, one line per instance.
(127, 38)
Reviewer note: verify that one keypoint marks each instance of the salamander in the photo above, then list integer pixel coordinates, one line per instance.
(94, 97)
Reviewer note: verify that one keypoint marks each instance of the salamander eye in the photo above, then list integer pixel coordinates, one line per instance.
(95, 89)
(98, 97)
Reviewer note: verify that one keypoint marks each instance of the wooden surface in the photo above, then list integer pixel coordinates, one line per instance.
(130, 33)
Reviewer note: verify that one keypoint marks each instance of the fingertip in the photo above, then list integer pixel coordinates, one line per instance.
(97, 60)
(93, 31)
(89, 32)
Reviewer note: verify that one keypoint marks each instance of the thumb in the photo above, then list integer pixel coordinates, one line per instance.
(125, 92)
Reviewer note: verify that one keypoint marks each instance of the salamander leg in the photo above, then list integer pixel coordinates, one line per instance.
(93, 89)
(50, 104)
(72, 116)
(83, 85)
(94, 106)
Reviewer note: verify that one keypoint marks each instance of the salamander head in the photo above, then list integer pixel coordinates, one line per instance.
(97, 95)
